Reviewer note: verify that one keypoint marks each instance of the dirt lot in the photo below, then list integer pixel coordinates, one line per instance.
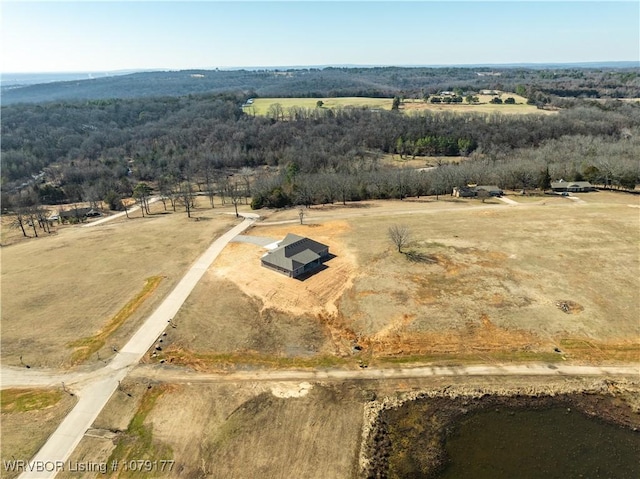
(70, 285)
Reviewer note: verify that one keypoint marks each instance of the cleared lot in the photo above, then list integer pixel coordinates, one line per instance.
(476, 282)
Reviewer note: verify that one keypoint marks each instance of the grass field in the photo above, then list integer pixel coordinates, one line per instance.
(260, 106)
(482, 282)
(73, 285)
(29, 416)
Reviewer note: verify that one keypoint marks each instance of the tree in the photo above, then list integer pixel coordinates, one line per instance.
(301, 214)
(141, 193)
(185, 196)
(399, 236)
(495, 100)
(319, 104)
(396, 103)
(234, 193)
(510, 101)
(544, 181)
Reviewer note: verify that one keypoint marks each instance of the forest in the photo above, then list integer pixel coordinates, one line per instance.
(539, 84)
(177, 146)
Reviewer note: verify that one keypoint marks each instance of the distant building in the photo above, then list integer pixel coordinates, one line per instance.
(572, 186)
(471, 191)
(463, 192)
(491, 189)
(79, 214)
(295, 256)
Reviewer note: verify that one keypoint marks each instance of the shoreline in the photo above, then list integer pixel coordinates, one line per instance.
(387, 420)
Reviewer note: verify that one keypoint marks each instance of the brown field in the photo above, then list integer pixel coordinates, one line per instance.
(216, 432)
(28, 417)
(73, 285)
(482, 282)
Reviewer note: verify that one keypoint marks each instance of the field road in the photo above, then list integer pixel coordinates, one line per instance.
(174, 376)
(94, 393)
(17, 377)
(318, 215)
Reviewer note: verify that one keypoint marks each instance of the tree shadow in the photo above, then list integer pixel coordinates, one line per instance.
(418, 257)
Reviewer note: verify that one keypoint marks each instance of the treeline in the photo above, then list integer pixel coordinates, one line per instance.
(603, 161)
(101, 149)
(385, 82)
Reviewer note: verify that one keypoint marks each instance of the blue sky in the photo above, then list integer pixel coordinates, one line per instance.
(56, 36)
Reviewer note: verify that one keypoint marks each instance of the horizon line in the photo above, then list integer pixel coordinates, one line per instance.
(327, 65)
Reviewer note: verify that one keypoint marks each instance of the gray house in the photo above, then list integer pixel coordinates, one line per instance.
(295, 255)
(491, 190)
(472, 191)
(573, 186)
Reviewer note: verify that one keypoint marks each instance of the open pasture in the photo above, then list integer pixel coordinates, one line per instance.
(69, 290)
(261, 106)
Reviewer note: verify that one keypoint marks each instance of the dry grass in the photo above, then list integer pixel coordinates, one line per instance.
(488, 292)
(71, 285)
(238, 431)
(498, 276)
(28, 418)
(85, 347)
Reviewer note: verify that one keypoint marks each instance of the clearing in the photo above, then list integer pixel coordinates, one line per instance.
(260, 106)
(75, 285)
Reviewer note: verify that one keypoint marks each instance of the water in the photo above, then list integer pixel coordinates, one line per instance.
(552, 443)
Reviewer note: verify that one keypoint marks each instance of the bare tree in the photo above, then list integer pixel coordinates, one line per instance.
(233, 191)
(185, 196)
(399, 235)
(301, 214)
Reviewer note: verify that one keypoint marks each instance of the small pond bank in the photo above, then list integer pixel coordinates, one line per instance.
(448, 434)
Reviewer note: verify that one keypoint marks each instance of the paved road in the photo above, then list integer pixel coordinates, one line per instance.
(93, 394)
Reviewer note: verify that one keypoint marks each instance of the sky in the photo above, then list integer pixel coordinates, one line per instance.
(86, 36)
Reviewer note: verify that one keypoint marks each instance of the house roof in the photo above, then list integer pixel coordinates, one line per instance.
(294, 251)
(487, 188)
(571, 184)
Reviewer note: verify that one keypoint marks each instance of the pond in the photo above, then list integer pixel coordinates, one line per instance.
(549, 443)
